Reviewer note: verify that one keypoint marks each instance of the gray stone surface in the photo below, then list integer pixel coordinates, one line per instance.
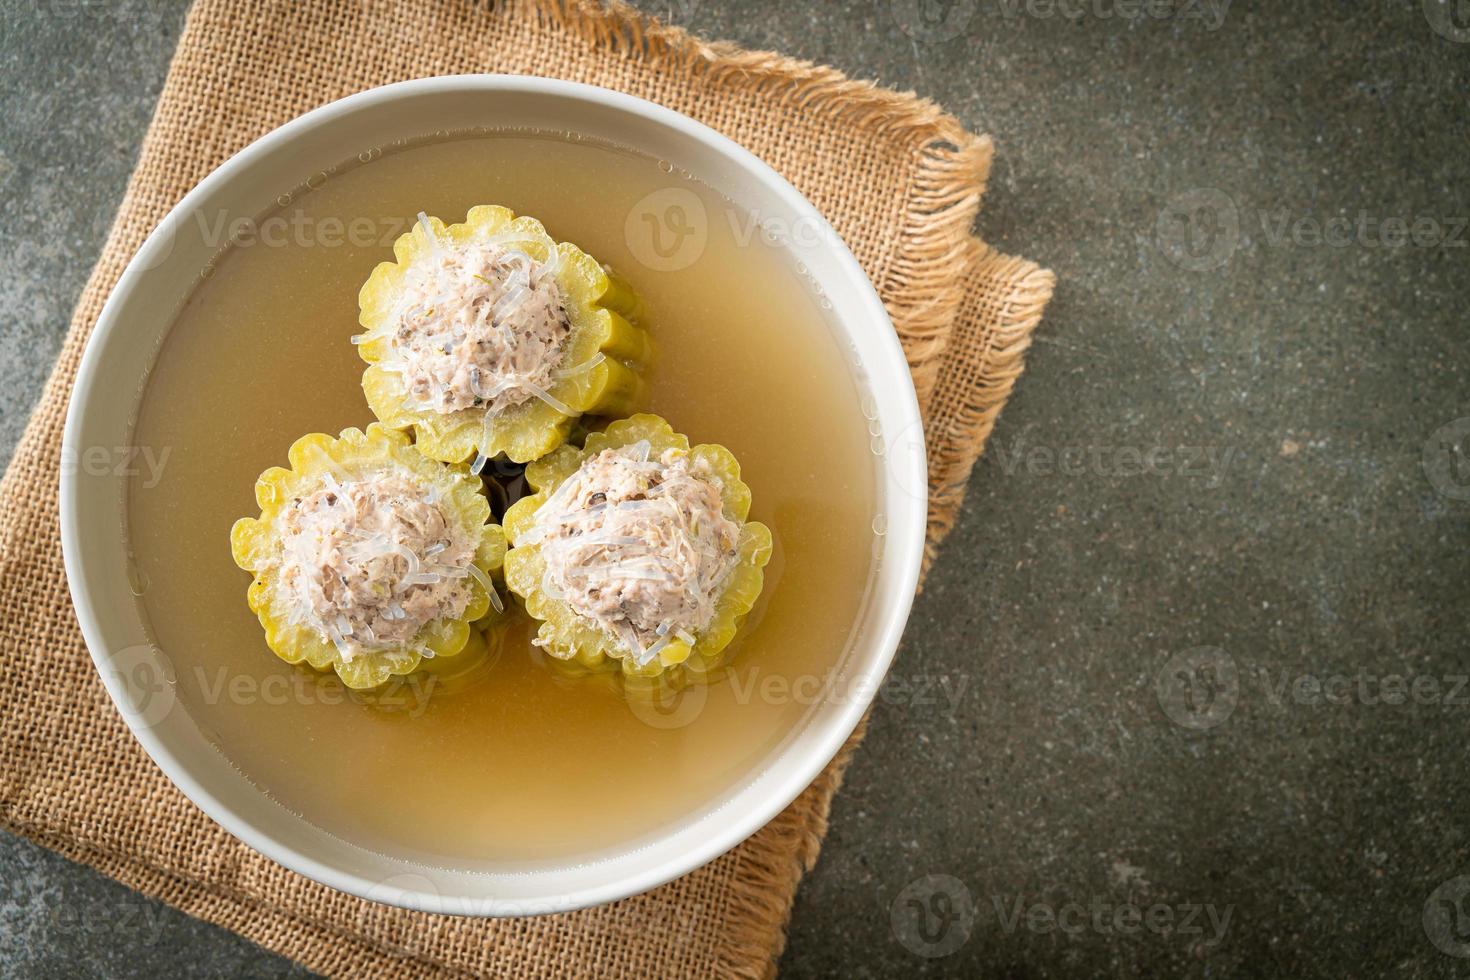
(1204, 618)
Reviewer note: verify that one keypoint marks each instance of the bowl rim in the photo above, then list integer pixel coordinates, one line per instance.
(800, 770)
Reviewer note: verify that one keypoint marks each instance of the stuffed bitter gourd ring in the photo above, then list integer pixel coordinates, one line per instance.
(490, 337)
(368, 556)
(636, 549)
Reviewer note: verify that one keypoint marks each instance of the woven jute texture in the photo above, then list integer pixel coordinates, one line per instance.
(899, 180)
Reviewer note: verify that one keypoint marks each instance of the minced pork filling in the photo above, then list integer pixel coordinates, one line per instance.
(478, 325)
(369, 561)
(639, 547)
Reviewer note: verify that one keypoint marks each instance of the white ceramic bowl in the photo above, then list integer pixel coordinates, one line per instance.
(138, 315)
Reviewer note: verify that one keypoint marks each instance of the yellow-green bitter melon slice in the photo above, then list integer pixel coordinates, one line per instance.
(368, 557)
(635, 551)
(489, 337)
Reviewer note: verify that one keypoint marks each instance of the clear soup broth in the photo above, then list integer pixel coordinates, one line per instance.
(514, 762)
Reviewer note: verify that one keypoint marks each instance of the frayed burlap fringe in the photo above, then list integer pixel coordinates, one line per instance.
(896, 176)
(974, 390)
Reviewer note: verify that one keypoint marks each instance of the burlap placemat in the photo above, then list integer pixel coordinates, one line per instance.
(900, 181)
